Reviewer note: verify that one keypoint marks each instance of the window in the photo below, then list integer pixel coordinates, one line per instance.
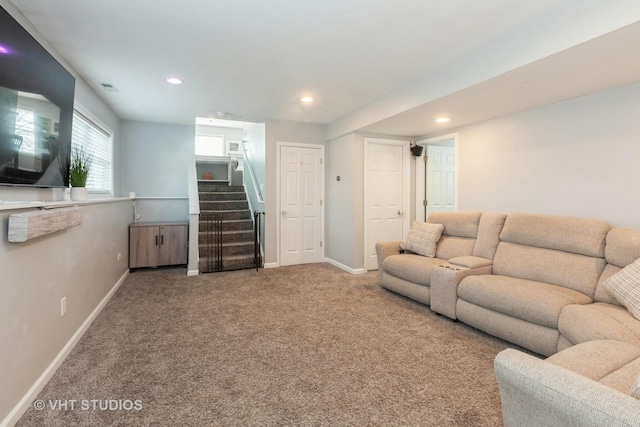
(210, 145)
(98, 142)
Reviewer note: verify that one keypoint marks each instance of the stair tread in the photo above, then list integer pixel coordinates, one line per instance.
(232, 257)
(221, 192)
(222, 210)
(227, 222)
(243, 242)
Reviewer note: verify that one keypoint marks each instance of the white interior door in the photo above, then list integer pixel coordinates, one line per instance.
(436, 178)
(440, 178)
(301, 213)
(386, 194)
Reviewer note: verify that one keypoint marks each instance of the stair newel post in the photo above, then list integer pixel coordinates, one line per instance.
(210, 241)
(257, 218)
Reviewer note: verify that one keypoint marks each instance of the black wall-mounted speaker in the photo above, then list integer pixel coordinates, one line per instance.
(416, 150)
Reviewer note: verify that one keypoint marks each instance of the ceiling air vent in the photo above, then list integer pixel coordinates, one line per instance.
(109, 87)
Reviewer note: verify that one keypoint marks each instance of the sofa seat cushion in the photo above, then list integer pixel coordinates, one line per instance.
(535, 302)
(615, 364)
(411, 267)
(598, 321)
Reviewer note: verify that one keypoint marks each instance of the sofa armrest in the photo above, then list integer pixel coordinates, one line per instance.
(385, 249)
(444, 284)
(539, 393)
(470, 261)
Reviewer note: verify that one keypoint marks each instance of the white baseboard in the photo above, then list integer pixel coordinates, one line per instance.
(271, 265)
(193, 272)
(36, 388)
(345, 268)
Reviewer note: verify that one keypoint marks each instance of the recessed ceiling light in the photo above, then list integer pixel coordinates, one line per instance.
(442, 119)
(173, 80)
(306, 99)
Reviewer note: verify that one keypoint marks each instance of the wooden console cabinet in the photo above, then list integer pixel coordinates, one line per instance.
(157, 244)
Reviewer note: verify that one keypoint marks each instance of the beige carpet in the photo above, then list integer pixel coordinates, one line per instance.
(293, 346)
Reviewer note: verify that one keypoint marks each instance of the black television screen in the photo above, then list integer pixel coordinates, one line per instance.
(36, 110)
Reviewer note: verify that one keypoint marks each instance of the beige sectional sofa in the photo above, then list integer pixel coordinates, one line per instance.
(538, 281)
(470, 238)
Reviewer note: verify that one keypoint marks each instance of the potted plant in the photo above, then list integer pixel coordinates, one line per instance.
(78, 172)
(63, 166)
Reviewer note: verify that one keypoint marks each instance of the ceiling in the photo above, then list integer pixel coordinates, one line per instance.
(252, 60)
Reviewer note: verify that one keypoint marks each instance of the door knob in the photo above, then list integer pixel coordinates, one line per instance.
(284, 213)
(399, 213)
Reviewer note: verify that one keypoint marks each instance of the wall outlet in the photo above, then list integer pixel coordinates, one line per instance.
(63, 306)
(119, 255)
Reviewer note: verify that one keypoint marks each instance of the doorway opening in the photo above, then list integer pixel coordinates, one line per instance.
(436, 176)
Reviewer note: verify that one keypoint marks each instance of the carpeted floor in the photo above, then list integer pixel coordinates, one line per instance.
(294, 346)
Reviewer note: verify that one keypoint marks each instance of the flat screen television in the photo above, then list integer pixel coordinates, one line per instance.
(36, 110)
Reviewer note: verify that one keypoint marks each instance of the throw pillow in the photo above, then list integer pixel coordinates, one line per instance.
(625, 287)
(635, 388)
(422, 238)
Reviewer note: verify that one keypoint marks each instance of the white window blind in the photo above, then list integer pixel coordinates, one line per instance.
(97, 142)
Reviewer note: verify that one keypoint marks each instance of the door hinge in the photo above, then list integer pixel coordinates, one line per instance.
(320, 202)
(425, 203)
(320, 160)
(320, 243)
(425, 158)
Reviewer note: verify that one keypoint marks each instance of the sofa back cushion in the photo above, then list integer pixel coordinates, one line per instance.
(622, 248)
(563, 251)
(489, 231)
(458, 224)
(459, 233)
(581, 236)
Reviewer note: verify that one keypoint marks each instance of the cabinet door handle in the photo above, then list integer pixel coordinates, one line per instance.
(162, 239)
(156, 240)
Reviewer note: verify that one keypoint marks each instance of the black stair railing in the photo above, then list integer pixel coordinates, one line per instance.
(213, 241)
(257, 254)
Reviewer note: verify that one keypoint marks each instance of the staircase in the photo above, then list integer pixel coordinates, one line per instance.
(225, 218)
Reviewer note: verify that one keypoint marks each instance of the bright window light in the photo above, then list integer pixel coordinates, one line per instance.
(210, 145)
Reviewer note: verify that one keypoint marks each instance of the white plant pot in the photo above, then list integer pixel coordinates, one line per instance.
(78, 193)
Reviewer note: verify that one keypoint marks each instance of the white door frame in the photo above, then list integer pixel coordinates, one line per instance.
(406, 182)
(421, 171)
(280, 144)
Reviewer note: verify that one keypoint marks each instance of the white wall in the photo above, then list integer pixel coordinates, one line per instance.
(154, 160)
(254, 142)
(281, 131)
(344, 159)
(578, 157)
(81, 264)
(254, 163)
